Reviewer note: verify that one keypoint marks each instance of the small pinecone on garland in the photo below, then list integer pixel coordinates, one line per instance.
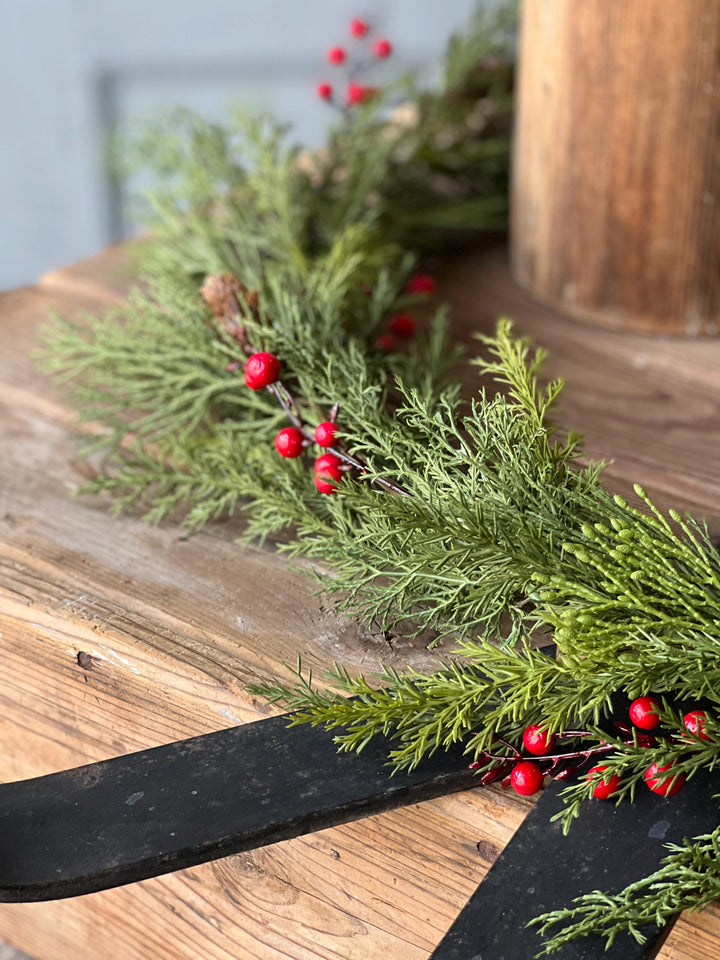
(222, 292)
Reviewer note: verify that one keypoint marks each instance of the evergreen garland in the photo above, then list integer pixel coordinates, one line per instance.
(471, 519)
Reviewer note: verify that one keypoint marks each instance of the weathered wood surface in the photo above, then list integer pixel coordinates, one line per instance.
(173, 629)
(616, 178)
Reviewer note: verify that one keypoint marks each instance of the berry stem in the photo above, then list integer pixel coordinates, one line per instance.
(551, 761)
(286, 401)
(552, 757)
(359, 465)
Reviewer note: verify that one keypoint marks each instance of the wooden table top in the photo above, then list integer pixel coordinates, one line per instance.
(174, 628)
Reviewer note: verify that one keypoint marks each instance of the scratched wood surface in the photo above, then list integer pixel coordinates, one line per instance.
(116, 636)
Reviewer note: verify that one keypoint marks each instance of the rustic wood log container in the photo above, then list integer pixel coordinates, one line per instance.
(616, 180)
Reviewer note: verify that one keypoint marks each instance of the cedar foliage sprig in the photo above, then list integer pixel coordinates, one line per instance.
(488, 498)
(179, 430)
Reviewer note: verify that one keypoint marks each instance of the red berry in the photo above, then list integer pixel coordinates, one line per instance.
(643, 713)
(606, 787)
(328, 461)
(695, 723)
(322, 482)
(402, 325)
(526, 778)
(336, 55)
(327, 470)
(664, 786)
(326, 434)
(289, 442)
(386, 342)
(420, 283)
(324, 91)
(537, 740)
(382, 49)
(261, 370)
(358, 28)
(357, 93)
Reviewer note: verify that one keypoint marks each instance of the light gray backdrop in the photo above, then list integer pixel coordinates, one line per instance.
(73, 71)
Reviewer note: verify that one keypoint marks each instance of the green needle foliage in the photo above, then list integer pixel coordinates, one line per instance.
(469, 519)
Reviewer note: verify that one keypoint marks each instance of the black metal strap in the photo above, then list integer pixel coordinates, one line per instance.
(185, 803)
(607, 848)
(149, 813)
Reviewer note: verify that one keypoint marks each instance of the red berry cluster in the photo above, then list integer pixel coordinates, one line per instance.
(523, 775)
(355, 92)
(263, 370)
(662, 779)
(526, 775)
(328, 472)
(328, 467)
(645, 714)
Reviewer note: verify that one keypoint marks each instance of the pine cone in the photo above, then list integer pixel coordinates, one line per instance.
(222, 293)
(219, 291)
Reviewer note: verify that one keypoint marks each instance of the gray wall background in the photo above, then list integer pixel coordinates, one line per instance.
(74, 71)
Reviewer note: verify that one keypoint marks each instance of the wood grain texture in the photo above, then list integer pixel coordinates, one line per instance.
(616, 179)
(172, 629)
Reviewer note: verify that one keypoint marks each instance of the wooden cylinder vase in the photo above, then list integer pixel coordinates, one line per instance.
(616, 166)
